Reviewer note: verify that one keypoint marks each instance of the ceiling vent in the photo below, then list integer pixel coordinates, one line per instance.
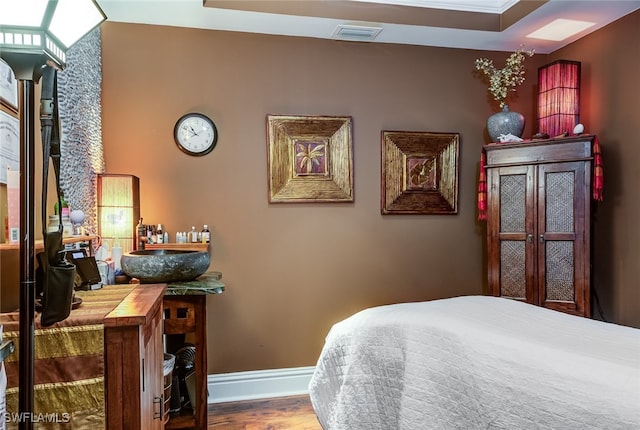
(357, 33)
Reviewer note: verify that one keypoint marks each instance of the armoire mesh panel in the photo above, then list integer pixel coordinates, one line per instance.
(559, 203)
(513, 280)
(559, 270)
(513, 203)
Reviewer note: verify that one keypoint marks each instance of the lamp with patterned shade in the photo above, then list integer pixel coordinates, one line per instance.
(558, 97)
(118, 209)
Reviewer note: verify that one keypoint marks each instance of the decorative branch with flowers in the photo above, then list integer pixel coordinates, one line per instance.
(504, 81)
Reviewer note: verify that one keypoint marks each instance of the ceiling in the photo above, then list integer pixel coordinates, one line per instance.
(500, 25)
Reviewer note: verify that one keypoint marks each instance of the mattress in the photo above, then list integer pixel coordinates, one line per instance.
(476, 362)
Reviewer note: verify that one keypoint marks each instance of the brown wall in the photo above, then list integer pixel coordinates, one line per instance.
(611, 108)
(292, 270)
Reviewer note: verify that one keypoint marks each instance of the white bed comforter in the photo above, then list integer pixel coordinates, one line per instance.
(476, 362)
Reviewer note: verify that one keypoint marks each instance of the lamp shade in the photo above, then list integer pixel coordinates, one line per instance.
(33, 32)
(558, 97)
(118, 209)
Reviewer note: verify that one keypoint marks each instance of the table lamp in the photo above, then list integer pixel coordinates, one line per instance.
(558, 97)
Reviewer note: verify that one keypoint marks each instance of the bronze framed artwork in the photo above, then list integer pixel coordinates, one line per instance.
(309, 158)
(419, 172)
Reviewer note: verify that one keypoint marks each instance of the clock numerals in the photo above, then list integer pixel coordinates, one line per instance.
(195, 134)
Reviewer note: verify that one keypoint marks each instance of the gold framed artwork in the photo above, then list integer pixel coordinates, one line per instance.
(310, 158)
(419, 172)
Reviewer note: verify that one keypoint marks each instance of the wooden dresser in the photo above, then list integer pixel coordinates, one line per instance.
(99, 368)
(539, 222)
(134, 382)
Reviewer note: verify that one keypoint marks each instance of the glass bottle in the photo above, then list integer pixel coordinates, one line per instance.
(150, 234)
(141, 231)
(193, 235)
(159, 234)
(206, 234)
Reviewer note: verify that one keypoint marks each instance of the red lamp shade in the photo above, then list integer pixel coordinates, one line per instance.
(558, 97)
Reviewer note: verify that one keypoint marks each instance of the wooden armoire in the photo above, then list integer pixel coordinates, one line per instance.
(539, 221)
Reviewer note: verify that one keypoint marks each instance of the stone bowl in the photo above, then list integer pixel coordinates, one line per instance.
(164, 265)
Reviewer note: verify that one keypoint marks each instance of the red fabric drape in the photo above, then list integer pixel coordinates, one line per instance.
(482, 188)
(598, 172)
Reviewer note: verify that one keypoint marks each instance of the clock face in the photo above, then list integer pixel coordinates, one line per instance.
(195, 134)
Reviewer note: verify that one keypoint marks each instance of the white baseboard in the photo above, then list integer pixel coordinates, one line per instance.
(258, 384)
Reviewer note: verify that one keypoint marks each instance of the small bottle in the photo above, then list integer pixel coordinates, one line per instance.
(151, 232)
(206, 234)
(63, 204)
(165, 239)
(159, 234)
(193, 235)
(142, 234)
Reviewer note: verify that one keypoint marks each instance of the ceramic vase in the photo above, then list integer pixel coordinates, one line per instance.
(505, 122)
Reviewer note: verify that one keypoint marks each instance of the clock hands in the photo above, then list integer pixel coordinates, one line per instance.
(193, 131)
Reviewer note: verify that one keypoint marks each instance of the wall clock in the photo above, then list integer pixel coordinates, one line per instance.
(195, 134)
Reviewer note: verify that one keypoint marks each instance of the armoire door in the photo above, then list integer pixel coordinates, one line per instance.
(511, 230)
(563, 236)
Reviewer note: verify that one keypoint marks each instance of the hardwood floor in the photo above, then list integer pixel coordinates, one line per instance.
(284, 413)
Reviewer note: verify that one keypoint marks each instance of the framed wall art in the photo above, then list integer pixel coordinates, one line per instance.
(309, 158)
(8, 87)
(419, 172)
(9, 144)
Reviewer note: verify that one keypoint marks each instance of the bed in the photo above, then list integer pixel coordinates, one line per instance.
(476, 362)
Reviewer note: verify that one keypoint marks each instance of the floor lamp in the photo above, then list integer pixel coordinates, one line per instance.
(34, 34)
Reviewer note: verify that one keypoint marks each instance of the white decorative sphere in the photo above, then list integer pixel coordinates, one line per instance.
(578, 129)
(76, 216)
